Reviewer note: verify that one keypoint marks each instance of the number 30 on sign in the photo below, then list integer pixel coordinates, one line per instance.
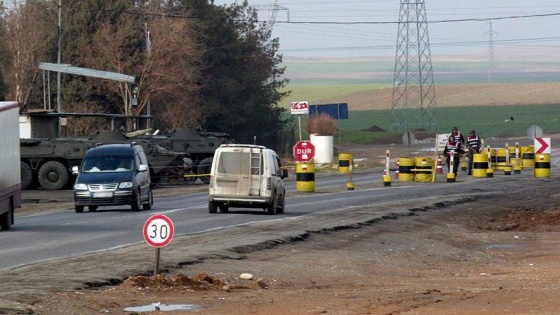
(158, 230)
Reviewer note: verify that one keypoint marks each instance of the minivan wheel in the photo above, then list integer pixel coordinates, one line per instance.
(148, 205)
(135, 206)
(212, 208)
(271, 208)
(280, 208)
(79, 209)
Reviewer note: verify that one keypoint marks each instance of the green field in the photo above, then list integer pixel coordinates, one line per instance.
(317, 82)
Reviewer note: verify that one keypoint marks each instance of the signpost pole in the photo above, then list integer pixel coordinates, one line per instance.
(156, 265)
(299, 119)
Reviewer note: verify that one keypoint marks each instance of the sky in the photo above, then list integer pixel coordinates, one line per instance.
(454, 27)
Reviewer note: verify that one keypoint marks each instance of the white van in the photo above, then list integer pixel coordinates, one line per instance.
(247, 176)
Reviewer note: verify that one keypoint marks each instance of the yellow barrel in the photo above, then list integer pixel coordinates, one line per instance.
(424, 167)
(344, 163)
(501, 159)
(528, 156)
(305, 176)
(480, 164)
(464, 165)
(406, 166)
(512, 160)
(542, 165)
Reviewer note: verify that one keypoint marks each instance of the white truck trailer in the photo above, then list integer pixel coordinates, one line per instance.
(10, 177)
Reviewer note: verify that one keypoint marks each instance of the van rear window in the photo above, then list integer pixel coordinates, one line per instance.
(234, 163)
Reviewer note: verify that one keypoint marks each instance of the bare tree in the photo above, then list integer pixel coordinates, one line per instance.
(168, 72)
(29, 27)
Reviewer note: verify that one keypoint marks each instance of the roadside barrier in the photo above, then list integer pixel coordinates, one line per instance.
(528, 156)
(480, 165)
(542, 165)
(424, 169)
(501, 161)
(464, 166)
(344, 163)
(406, 165)
(305, 176)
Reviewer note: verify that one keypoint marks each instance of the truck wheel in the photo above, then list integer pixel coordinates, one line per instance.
(26, 175)
(212, 208)
(148, 205)
(203, 170)
(271, 208)
(79, 209)
(53, 175)
(6, 218)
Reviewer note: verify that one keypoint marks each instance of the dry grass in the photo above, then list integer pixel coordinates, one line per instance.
(461, 95)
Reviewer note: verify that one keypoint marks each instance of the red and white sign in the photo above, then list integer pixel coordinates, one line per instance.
(542, 145)
(304, 151)
(299, 108)
(158, 230)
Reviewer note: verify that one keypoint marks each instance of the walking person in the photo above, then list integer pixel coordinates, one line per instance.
(473, 145)
(455, 148)
(458, 136)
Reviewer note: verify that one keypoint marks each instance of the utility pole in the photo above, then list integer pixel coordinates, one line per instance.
(491, 61)
(414, 99)
(59, 61)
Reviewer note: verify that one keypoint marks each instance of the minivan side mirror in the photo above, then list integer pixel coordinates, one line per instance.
(284, 173)
(75, 170)
(142, 168)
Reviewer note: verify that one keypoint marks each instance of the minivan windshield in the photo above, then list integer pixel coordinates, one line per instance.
(108, 163)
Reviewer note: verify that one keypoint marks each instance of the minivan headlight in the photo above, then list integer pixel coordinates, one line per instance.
(125, 185)
(80, 187)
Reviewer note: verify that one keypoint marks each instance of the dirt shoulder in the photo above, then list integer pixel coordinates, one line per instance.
(470, 255)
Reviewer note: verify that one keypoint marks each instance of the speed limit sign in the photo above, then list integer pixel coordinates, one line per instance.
(158, 230)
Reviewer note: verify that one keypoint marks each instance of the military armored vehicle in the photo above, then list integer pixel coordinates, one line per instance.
(47, 163)
(198, 146)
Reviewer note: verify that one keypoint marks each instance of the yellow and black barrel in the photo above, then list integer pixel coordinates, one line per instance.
(501, 161)
(528, 156)
(305, 176)
(344, 163)
(424, 166)
(480, 164)
(542, 165)
(406, 167)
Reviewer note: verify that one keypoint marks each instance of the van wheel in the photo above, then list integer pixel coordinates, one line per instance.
(92, 208)
(280, 208)
(148, 205)
(271, 208)
(53, 175)
(135, 206)
(79, 209)
(224, 208)
(26, 175)
(212, 208)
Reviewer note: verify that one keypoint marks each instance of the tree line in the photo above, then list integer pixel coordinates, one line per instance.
(197, 64)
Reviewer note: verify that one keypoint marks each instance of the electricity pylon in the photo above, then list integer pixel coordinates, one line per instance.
(414, 97)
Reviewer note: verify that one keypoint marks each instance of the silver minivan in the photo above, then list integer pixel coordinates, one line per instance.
(246, 176)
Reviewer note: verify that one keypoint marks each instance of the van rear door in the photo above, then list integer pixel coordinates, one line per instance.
(238, 172)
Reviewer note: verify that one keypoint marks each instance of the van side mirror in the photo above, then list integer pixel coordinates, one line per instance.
(75, 170)
(142, 168)
(284, 173)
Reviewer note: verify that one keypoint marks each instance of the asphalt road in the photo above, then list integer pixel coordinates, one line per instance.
(53, 235)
